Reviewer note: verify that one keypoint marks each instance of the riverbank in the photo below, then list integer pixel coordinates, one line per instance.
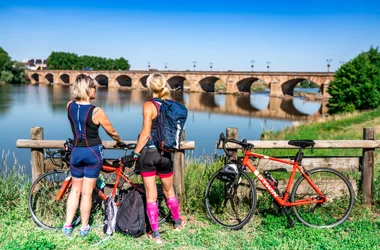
(266, 230)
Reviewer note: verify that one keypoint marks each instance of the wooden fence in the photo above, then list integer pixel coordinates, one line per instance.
(364, 163)
(37, 144)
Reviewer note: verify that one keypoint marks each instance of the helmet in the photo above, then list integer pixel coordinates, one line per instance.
(228, 172)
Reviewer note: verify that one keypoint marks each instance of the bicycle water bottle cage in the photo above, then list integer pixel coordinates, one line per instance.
(302, 143)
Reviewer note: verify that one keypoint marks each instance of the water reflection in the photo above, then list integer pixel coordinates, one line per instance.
(26, 106)
(259, 105)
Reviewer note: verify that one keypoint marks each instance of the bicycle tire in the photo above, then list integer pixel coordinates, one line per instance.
(45, 211)
(217, 203)
(163, 210)
(339, 192)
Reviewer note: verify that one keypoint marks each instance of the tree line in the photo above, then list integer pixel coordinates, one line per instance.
(71, 61)
(10, 71)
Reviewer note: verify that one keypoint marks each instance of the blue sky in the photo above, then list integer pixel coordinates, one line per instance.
(291, 35)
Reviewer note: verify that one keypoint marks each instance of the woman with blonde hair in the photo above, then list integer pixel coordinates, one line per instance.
(87, 154)
(152, 162)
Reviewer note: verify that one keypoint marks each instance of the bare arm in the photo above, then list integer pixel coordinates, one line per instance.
(149, 112)
(100, 117)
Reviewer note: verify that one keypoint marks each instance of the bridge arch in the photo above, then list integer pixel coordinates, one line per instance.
(65, 78)
(246, 102)
(208, 83)
(288, 86)
(35, 77)
(245, 84)
(178, 82)
(143, 81)
(124, 81)
(102, 80)
(49, 78)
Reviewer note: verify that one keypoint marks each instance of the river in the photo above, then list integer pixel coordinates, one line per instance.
(26, 106)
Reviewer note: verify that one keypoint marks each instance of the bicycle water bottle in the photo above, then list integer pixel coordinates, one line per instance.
(272, 181)
(100, 183)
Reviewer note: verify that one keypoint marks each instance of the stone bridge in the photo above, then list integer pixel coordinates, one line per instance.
(280, 83)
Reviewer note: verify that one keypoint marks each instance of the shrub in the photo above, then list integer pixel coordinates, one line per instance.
(357, 84)
(6, 76)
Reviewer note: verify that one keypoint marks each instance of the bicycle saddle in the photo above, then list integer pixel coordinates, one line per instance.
(302, 143)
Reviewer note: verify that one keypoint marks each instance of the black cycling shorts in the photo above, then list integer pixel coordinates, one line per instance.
(151, 162)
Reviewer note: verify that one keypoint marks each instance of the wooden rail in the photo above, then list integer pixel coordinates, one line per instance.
(37, 144)
(364, 163)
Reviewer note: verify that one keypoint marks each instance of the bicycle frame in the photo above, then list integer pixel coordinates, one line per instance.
(119, 174)
(283, 201)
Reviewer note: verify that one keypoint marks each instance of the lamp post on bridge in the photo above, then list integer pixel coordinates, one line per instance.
(328, 64)
(148, 65)
(166, 66)
(194, 64)
(268, 65)
(252, 62)
(211, 66)
(342, 62)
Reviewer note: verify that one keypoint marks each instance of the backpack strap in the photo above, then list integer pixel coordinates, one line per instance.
(157, 104)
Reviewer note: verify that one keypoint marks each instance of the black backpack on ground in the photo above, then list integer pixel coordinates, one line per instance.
(130, 218)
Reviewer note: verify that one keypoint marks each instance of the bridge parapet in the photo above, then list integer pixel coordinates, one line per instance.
(281, 83)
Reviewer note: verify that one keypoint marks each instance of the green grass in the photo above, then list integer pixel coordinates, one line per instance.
(266, 230)
(342, 127)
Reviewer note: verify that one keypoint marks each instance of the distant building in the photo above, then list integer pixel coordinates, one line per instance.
(34, 64)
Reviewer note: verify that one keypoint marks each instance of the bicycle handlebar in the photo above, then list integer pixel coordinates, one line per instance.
(243, 143)
(127, 146)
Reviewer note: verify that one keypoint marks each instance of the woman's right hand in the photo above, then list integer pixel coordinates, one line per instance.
(120, 144)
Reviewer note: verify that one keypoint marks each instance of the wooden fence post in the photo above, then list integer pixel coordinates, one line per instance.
(368, 164)
(179, 172)
(232, 133)
(37, 155)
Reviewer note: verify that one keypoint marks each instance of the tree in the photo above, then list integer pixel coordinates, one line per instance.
(5, 60)
(68, 61)
(6, 76)
(357, 84)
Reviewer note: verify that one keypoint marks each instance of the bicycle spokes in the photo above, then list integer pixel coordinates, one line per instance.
(230, 203)
(327, 211)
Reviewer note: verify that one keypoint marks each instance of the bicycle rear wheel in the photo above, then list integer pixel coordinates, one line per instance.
(46, 212)
(338, 191)
(231, 203)
(134, 176)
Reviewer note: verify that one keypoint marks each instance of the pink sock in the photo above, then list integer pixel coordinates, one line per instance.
(173, 206)
(152, 211)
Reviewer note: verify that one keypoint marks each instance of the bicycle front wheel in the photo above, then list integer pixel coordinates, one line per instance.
(338, 191)
(46, 212)
(230, 203)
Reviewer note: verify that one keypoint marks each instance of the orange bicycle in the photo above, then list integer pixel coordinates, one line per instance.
(320, 198)
(48, 194)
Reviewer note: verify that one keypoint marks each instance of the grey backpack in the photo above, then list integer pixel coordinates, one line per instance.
(110, 213)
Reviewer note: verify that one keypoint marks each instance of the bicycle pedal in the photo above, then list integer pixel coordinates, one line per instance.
(290, 220)
(290, 223)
